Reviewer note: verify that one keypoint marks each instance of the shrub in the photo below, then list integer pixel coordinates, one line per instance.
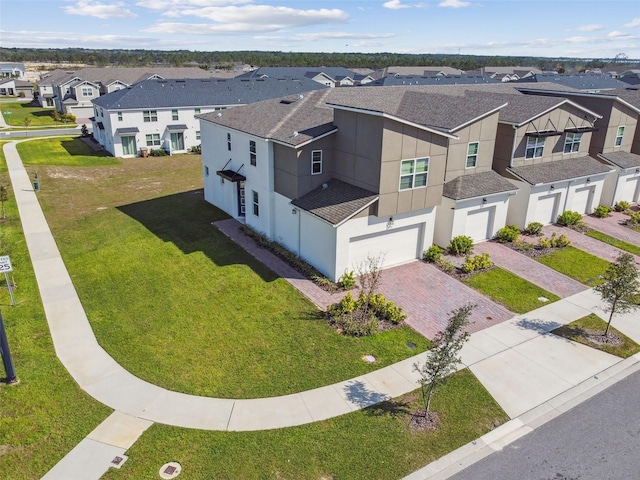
(358, 324)
(534, 228)
(346, 305)
(569, 218)
(433, 254)
(385, 309)
(544, 243)
(460, 245)
(559, 242)
(602, 211)
(446, 266)
(634, 219)
(508, 234)
(522, 246)
(477, 262)
(196, 149)
(347, 280)
(158, 152)
(622, 206)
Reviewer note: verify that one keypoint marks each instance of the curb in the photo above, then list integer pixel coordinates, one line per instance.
(509, 432)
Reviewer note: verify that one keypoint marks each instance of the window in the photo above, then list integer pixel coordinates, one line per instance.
(174, 114)
(197, 134)
(196, 111)
(206, 171)
(87, 92)
(316, 162)
(153, 140)
(150, 115)
(119, 116)
(413, 173)
(572, 142)
(535, 146)
(619, 136)
(256, 204)
(252, 152)
(229, 141)
(472, 154)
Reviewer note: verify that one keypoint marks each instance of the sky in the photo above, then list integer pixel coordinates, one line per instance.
(542, 28)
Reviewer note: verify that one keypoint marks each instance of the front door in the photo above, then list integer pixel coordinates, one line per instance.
(129, 145)
(177, 141)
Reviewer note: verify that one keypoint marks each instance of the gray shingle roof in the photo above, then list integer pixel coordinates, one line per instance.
(622, 159)
(203, 92)
(336, 202)
(431, 80)
(477, 185)
(582, 81)
(419, 105)
(522, 108)
(127, 131)
(559, 170)
(336, 73)
(291, 120)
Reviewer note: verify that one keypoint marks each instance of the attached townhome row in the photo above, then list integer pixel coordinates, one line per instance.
(341, 175)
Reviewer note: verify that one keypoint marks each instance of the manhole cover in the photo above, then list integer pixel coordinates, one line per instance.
(543, 299)
(411, 345)
(170, 470)
(118, 461)
(369, 358)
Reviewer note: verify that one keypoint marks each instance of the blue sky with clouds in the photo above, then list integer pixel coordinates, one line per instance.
(548, 28)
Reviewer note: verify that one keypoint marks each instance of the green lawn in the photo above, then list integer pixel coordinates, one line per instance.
(67, 151)
(622, 245)
(374, 443)
(577, 330)
(40, 419)
(37, 116)
(510, 290)
(577, 264)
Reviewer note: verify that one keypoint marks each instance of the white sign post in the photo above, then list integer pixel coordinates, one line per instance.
(5, 267)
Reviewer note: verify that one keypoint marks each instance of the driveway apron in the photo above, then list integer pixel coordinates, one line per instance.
(612, 225)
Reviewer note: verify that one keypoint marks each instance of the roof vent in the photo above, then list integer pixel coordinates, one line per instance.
(325, 186)
(295, 133)
(300, 97)
(219, 114)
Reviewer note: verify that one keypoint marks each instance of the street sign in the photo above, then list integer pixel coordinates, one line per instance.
(5, 264)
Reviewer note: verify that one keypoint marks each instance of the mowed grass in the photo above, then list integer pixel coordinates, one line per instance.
(46, 414)
(621, 244)
(37, 116)
(63, 151)
(577, 264)
(177, 303)
(578, 332)
(514, 292)
(374, 443)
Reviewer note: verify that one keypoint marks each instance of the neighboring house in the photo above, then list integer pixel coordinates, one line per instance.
(586, 82)
(156, 114)
(16, 88)
(398, 79)
(508, 74)
(328, 76)
(72, 91)
(632, 77)
(12, 70)
(420, 71)
(342, 175)
(616, 141)
(543, 146)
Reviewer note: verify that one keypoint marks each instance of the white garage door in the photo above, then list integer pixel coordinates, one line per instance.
(479, 223)
(397, 245)
(547, 209)
(629, 189)
(582, 200)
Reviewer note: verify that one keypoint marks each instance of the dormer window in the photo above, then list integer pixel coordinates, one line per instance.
(619, 136)
(572, 142)
(535, 147)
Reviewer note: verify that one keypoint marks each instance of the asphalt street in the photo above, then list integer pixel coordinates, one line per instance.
(597, 440)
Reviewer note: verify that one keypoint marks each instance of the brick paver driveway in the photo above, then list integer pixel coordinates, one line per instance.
(529, 269)
(428, 296)
(612, 225)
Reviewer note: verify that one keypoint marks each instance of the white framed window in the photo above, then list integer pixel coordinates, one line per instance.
(413, 173)
(174, 115)
(229, 141)
(619, 136)
(256, 203)
(535, 147)
(252, 153)
(197, 134)
(87, 92)
(153, 140)
(119, 116)
(472, 154)
(196, 111)
(150, 115)
(572, 142)
(316, 162)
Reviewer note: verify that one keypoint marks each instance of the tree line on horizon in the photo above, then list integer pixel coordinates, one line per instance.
(227, 59)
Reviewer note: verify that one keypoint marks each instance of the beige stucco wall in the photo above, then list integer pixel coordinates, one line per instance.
(620, 116)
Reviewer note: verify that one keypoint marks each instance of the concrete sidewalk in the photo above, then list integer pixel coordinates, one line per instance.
(521, 365)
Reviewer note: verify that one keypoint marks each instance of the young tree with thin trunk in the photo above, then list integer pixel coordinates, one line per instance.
(442, 358)
(621, 287)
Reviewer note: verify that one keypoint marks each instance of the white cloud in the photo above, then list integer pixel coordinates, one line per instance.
(40, 39)
(454, 4)
(312, 37)
(90, 8)
(617, 34)
(633, 23)
(177, 4)
(395, 5)
(590, 28)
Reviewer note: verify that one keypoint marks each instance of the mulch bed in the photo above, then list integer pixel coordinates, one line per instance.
(419, 422)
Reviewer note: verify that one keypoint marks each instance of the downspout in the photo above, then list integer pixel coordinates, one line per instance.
(513, 148)
(566, 198)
